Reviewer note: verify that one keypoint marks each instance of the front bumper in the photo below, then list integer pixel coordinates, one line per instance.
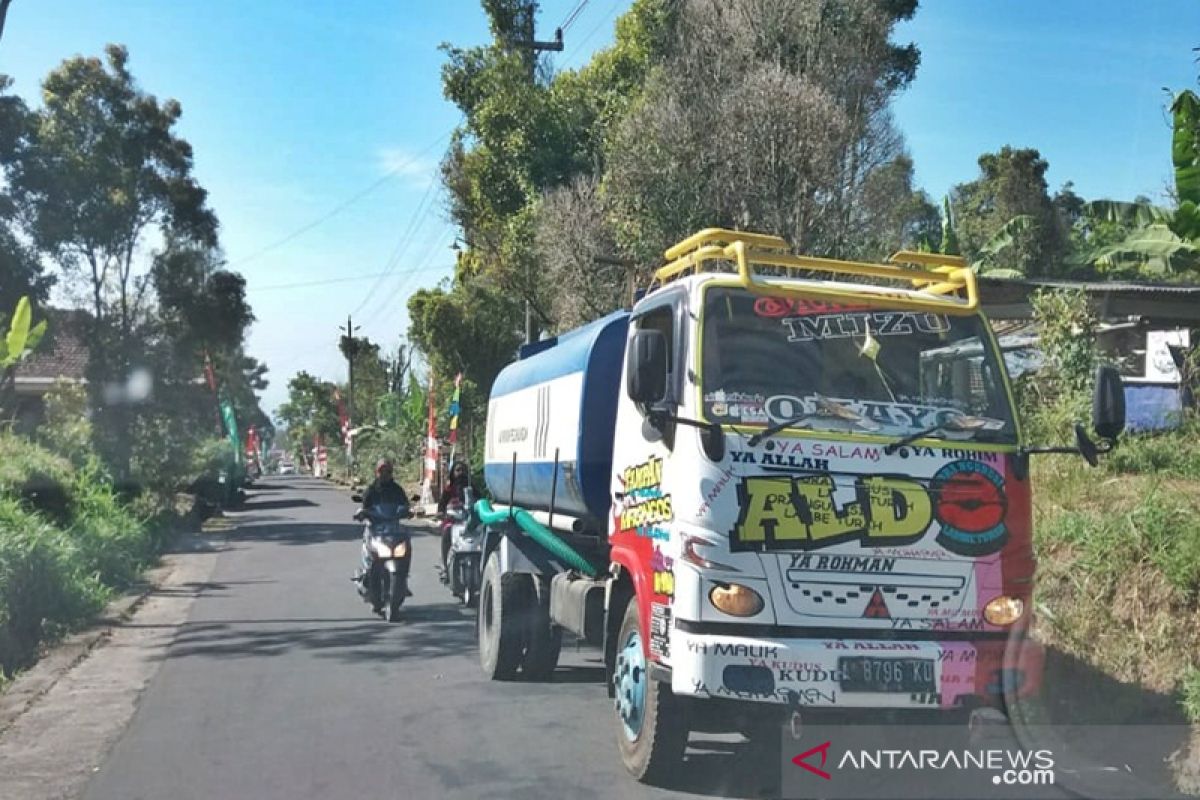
(809, 671)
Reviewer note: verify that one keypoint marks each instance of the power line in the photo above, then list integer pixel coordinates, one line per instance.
(328, 281)
(582, 42)
(402, 244)
(339, 208)
(408, 277)
(570, 20)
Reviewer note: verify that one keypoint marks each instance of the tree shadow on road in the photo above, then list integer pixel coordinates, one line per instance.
(253, 504)
(424, 631)
(295, 533)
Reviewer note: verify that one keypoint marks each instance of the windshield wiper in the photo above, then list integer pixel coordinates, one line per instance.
(892, 447)
(964, 424)
(776, 428)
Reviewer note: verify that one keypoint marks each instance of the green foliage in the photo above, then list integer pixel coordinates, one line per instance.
(1169, 454)
(949, 245)
(466, 329)
(1058, 394)
(44, 584)
(1164, 529)
(1191, 694)
(1002, 249)
(21, 340)
(1011, 184)
(66, 541)
(67, 431)
(22, 337)
(103, 186)
(1185, 157)
(310, 411)
(21, 271)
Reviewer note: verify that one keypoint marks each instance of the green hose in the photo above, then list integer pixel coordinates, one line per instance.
(538, 532)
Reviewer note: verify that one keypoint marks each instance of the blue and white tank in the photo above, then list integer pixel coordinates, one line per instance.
(559, 398)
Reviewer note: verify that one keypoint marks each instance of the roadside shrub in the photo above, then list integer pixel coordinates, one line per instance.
(1174, 453)
(37, 477)
(1169, 534)
(67, 429)
(45, 586)
(1190, 690)
(112, 542)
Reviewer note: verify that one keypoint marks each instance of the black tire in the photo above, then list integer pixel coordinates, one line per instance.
(545, 638)
(470, 581)
(658, 748)
(375, 580)
(504, 601)
(397, 590)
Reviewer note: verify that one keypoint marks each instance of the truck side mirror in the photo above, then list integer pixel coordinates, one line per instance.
(646, 367)
(1108, 403)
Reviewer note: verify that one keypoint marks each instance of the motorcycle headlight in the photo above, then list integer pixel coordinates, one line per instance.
(401, 550)
(381, 548)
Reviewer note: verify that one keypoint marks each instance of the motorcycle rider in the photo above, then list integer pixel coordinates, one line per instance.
(383, 489)
(453, 492)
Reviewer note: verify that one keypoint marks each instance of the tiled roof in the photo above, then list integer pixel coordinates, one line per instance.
(63, 353)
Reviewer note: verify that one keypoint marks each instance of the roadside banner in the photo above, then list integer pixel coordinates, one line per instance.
(454, 413)
(431, 452)
(230, 419)
(343, 417)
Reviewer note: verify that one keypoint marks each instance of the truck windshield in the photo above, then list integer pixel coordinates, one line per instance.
(850, 368)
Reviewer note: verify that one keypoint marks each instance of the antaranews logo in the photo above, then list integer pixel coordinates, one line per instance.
(802, 759)
(958, 768)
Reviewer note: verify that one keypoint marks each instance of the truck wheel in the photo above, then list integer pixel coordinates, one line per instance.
(504, 601)
(545, 638)
(652, 728)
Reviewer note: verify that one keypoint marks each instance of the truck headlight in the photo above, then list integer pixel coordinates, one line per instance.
(1003, 610)
(735, 600)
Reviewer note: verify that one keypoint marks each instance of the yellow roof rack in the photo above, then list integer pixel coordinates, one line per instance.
(939, 284)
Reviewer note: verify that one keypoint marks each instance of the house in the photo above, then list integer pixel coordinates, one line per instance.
(1145, 328)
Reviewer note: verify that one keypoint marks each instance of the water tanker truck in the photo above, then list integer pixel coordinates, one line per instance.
(778, 483)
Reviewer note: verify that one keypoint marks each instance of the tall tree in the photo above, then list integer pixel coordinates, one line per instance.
(105, 171)
(21, 272)
(310, 411)
(4, 4)
(768, 114)
(1009, 199)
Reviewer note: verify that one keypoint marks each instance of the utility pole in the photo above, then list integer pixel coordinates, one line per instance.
(531, 43)
(350, 349)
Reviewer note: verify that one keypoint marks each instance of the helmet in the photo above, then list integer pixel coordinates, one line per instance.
(382, 465)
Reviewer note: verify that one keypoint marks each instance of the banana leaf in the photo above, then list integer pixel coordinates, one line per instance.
(993, 252)
(1185, 156)
(1154, 250)
(1134, 215)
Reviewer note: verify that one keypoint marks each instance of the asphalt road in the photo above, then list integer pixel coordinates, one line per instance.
(282, 684)
(255, 672)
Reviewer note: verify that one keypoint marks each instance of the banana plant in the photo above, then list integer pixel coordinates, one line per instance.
(22, 336)
(17, 344)
(997, 249)
(1163, 242)
(1185, 157)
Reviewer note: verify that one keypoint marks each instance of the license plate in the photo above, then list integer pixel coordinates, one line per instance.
(867, 674)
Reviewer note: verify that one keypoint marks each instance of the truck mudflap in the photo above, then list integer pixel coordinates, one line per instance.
(856, 673)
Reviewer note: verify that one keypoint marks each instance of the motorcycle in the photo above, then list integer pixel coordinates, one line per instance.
(461, 571)
(387, 556)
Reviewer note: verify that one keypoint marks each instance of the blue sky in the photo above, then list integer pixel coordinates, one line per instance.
(297, 110)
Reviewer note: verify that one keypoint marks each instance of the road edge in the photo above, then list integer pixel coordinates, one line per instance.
(63, 656)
